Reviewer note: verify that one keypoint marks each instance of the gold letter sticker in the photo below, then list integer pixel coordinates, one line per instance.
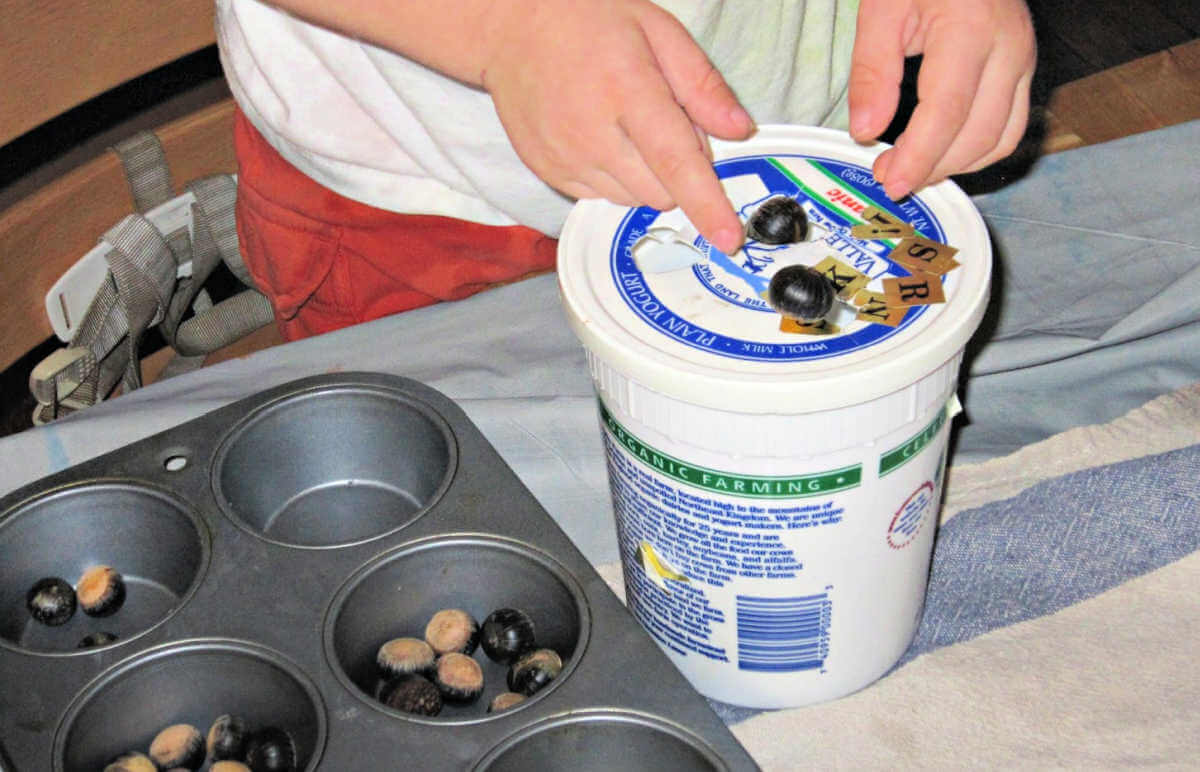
(918, 254)
(846, 281)
(921, 289)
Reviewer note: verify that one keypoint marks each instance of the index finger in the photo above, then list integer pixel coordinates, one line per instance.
(667, 142)
(950, 73)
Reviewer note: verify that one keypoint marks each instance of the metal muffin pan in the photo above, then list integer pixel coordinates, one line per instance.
(271, 546)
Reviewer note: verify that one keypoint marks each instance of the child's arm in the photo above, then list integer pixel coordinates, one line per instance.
(972, 89)
(600, 99)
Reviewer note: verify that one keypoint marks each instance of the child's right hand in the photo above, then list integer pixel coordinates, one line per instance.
(613, 100)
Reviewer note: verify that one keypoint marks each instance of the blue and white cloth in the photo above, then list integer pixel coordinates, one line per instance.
(1063, 608)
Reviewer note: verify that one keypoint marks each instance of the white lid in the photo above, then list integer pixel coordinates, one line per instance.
(703, 334)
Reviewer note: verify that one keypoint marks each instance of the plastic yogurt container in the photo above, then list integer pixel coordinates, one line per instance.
(776, 493)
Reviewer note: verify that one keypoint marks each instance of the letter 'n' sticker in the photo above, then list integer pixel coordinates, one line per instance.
(872, 307)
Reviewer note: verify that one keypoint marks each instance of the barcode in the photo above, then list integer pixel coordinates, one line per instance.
(783, 633)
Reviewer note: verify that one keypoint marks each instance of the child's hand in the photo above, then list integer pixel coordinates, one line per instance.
(972, 89)
(613, 100)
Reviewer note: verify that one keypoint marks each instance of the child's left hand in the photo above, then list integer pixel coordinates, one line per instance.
(972, 89)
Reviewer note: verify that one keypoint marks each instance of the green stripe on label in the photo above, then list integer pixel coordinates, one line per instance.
(814, 195)
(901, 454)
(734, 484)
(842, 183)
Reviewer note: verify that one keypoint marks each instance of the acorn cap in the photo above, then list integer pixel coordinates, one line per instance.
(504, 701)
(179, 745)
(51, 601)
(459, 678)
(405, 655)
(452, 630)
(411, 693)
(134, 761)
(101, 591)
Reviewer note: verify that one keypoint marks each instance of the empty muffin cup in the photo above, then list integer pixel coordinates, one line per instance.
(153, 541)
(194, 683)
(334, 466)
(399, 592)
(600, 741)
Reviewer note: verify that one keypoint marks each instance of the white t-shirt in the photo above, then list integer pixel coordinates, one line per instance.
(384, 130)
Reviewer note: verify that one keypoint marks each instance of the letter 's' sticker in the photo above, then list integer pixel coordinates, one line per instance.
(925, 255)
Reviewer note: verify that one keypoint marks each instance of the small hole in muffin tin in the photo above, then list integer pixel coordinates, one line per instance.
(176, 462)
(396, 594)
(601, 741)
(192, 682)
(157, 545)
(334, 467)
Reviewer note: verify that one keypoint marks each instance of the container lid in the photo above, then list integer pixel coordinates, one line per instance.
(705, 333)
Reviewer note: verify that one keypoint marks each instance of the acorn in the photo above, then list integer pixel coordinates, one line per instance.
(271, 749)
(533, 670)
(226, 738)
(131, 762)
(229, 765)
(800, 292)
(504, 701)
(101, 591)
(459, 678)
(405, 655)
(411, 693)
(506, 634)
(179, 745)
(92, 640)
(452, 630)
(779, 220)
(51, 601)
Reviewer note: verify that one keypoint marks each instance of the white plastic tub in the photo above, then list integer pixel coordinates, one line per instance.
(776, 494)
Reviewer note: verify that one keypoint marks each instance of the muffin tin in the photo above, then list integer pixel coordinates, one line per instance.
(271, 546)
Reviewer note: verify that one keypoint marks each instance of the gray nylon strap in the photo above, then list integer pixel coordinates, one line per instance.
(145, 169)
(231, 319)
(144, 271)
(217, 198)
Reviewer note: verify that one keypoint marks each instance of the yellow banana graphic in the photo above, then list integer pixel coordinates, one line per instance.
(656, 568)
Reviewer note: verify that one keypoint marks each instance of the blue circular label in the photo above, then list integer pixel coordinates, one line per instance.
(833, 195)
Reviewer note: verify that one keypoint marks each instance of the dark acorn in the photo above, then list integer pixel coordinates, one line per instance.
(271, 749)
(96, 639)
(179, 745)
(131, 762)
(799, 292)
(229, 765)
(459, 678)
(411, 693)
(405, 655)
(504, 701)
(779, 220)
(452, 630)
(532, 671)
(51, 601)
(101, 591)
(506, 634)
(226, 738)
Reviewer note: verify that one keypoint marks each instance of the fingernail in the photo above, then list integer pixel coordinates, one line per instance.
(860, 125)
(727, 240)
(742, 118)
(897, 189)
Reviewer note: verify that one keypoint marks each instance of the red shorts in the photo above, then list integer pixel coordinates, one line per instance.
(328, 262)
